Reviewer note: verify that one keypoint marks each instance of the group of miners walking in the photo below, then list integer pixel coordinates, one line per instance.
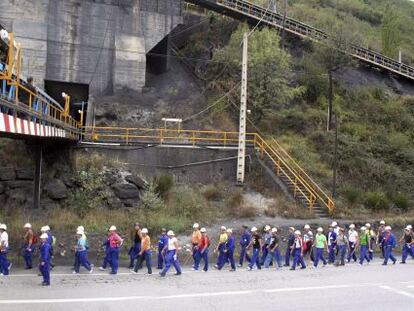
(258, 250)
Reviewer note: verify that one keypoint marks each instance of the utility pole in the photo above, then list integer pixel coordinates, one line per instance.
(335, 164)
(241, 157)
(330, 100)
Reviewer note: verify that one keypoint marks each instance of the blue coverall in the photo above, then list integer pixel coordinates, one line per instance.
(230, 246)
(291, 239)
(171, 259)
(244, 242)
(44, 265)
(81, 255)
(298, 258)
(267, 240)
(389, 244)
(162, 242)
(107, 258)
(331, 246)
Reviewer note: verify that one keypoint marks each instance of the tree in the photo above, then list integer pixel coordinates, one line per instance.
(331, 55)
(269, 72)
(390, 32)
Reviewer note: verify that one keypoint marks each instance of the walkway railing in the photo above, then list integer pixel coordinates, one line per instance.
(245, 9)
(282, 163)
(20, 99)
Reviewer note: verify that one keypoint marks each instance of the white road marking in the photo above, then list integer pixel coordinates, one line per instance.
(400, 292)
(182, 296)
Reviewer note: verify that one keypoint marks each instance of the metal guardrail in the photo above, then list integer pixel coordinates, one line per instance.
(284, 165)
(247, 9)
(37, 106)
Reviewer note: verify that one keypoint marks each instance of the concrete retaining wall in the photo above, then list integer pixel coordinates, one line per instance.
(187, 165)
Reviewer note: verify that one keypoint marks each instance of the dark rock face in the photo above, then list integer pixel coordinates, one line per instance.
(1, 188)
(126, 191)
(7, 173)
(56, 189)
(137, 181)
(25, 174)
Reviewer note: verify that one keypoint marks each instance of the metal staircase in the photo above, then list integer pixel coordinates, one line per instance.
(244, 10)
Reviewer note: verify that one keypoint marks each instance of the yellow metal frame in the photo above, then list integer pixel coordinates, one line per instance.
(283, 163)
(54, 113)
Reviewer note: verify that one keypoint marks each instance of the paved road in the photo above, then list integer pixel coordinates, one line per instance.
(372, 287)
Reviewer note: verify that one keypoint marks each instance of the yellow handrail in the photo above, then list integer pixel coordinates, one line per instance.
(47, 110)
(306, 177)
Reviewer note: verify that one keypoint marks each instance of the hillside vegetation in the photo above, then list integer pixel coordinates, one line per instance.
(288, 95)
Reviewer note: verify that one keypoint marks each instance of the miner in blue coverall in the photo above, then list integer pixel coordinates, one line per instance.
(81, 253)
(44, 265)
(266, 241)
(331, 237)
(229, 249)
(244, 242)
(107, 250)
(162, 242)
(389, 244)
(171, 257)
(290, 240)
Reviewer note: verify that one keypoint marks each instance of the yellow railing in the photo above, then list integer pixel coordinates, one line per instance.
(283, 163)
(317, 190)
(46, 110)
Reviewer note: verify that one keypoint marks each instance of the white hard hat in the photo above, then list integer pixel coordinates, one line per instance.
(80, 228)
(112, 228)
(79, 232)
(388, 228)
(267, 228)
(3, 227)
(43, 229)
(27, 226)
(368, 225)
(144, 230)
(196, 226)
(351, 226)
(229, 231)
(44, 236)
(306, 227)
(203, 230)
(274, 230)
(410, 227)
(297, 232)
(254, 229)
(334, 224)
(223, 228)
(170, 233)
(382, 222)
(47, 228)
(320, 229)
(292, 228)
(363, 228)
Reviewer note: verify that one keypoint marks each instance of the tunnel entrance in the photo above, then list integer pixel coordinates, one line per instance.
(78, 92)
(157, 60)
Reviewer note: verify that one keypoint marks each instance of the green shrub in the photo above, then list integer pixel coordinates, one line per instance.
(88, 194)
(151, 200)
(351, 194)
(213, 193)
(400, 200)
(164, 183)
(376, 200)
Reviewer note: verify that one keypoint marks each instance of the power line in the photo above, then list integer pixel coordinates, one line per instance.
(213, 104)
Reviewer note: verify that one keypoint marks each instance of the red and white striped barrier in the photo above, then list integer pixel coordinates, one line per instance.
(13, 125)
